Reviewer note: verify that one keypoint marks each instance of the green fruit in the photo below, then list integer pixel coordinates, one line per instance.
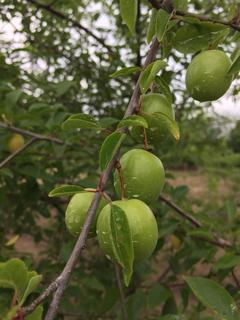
(77, 210)
(142, 224)
(143, 176)
(207, 78)
(157, 131)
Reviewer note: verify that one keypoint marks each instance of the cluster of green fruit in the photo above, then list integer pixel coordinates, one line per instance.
(143, 176)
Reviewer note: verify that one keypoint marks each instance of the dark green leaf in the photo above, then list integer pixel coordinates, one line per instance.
(81, 120)
(195, 37)
(133, 121)
(235, 67)
(229, 260)
(151, 26)
(122, 241)
(162, 20)
(63, 87)
(66, 190)
(167, 122)
(109, 148)
(213, 296)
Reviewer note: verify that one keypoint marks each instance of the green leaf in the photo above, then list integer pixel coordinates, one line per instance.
(12, 98)
(157, 295)
(235, 67)
(31, 287)
(198, 36)
(14, 275)
(36, 314)
(81, 120)
(200, 233)
(149, 74)
(109, 148)
(133, 121)
(228, 261)
(65, 190)
(125, 72)
(213, 296)
(128, 10)
(164, 87)
(162, 21)
(122, 241)
(151, 25)
(167, 122)
(62, 87)
(181, 5)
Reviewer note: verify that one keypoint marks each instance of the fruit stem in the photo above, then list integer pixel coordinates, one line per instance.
(146, 145)
(121, 178)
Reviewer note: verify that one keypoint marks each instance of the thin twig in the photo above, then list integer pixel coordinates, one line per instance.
(46, 293)
(75, 23)
(80, 244)
(183, 213)
(235, 279)
(16, 153)
(121, 292)
(30, 133)
(232, 24)
(222, 243)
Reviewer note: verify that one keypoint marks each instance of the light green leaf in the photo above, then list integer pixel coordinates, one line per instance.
(151, 25)
(167, 122)
(228, 261)
(213, 296)
(109, 148)
(125, 72)
(14, 275)
(36, 314)
(162, 21)
(81, 120)
(149, 74)
(128, 10)
(65, 190)
(133, 121)
(31, 287)
(122, 241)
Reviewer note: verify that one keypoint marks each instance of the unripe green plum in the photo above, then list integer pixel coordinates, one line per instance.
(142, 225)
(77, 210)
(143, 176)
(156, 131)
(207, 78)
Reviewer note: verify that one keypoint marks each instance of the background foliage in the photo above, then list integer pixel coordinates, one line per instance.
(50, 69)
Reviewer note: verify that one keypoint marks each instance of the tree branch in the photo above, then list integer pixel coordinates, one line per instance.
(71, 20)
(62, 280)
(16, 153)
(30, 133)
(222, 243)
(232, 24)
